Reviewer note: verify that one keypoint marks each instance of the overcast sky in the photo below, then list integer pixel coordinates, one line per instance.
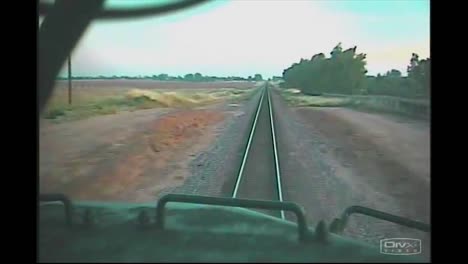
(245, 37)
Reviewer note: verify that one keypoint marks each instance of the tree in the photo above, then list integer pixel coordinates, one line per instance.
(188, 77)
(419, 75)
(425, 76)
(163, 77)
(198, 77)
(344, 72)
(337, 50)
(419, 72)
(258, 77)
(394, 73)
(414, 62)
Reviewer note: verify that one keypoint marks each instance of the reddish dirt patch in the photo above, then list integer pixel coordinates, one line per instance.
(174, 141)
(134, 169)
(172, 131)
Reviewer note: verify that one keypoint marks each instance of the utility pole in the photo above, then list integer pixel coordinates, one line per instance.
(69, 81)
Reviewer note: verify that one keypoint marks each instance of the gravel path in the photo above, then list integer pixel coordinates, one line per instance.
(331, 160)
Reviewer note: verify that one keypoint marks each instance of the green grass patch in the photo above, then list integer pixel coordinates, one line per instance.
(366, 104)
(61, 113)
(295, 98)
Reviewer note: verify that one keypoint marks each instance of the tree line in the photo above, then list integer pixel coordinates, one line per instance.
(344, 72)
(196, 77)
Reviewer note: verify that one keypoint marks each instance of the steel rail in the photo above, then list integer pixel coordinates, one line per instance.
(275, 151)
(247, 150)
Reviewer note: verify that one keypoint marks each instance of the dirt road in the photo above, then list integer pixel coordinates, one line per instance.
(333, 158)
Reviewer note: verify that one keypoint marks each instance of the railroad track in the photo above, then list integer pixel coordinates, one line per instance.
(259, 175)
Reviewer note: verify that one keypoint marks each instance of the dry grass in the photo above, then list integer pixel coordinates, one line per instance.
(89, 101)
(187, 98)
(292, 91)
(172, 99)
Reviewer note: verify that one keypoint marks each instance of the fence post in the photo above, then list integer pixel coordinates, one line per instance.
(69, 81)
